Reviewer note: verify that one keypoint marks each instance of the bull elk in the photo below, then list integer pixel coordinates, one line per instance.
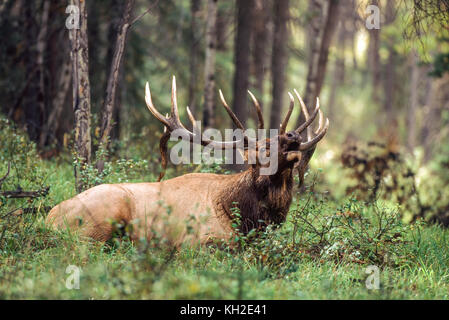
(208, 198)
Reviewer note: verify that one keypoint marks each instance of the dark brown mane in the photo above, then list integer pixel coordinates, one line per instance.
(261, 200)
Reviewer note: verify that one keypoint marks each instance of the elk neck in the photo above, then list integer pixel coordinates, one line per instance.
(261, 199)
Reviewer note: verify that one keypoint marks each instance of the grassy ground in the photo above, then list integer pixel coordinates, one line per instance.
(322, 252)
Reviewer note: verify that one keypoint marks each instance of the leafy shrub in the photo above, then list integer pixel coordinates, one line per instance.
(20, 152)
(355, 232)
(379, 172)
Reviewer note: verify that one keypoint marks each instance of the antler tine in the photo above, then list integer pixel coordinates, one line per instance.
(303, 105)
(309, 119)
(306, 114)
(320, 121)
(311, 143)
(309, 127)
(289, 113)
(258, 110)
(231, 114)
(174, 101)
(173, 123)
(165, 127)
(151, 107)
(191, 118)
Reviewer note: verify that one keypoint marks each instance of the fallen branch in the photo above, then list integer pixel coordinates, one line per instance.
(25, 194)
(20, 211)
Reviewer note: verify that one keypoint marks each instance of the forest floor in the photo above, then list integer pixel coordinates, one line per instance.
(323, 252)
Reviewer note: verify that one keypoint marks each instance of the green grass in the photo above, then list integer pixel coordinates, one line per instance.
(321, 252)
(33, 259)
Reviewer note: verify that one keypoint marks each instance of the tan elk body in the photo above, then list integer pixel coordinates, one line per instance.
(202, 200)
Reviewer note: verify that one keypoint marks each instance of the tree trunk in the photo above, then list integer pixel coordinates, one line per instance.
(390, 73)
(261, 21)
(209, 66)
(242, 54)
(41, 49)
(411, 114)
(279, 60)
(314, 36)
(374, 60)
(224, 23)
(321, 35)
(437, 101)
(81, 95)
(194, 54)
(30, 105)
(329, 30)
(57, 104)
(113, 79)
(338, 76)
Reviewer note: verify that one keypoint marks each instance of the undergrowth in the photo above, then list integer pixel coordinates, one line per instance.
(322, 251)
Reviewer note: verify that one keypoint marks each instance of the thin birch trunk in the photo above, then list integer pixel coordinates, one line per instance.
(114, 72)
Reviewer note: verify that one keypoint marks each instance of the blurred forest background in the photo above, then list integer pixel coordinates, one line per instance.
(80, 91)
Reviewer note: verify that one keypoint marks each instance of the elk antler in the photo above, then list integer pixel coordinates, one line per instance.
(319, 133)
(173, 123)
(287, 116)
(260, 123)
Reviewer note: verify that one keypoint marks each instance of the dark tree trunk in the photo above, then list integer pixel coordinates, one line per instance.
(314, 35)
(209, 66)
(194, 54)
(279, 60)
(98, 73)
(338, 76)
(57, 104)
(411, 114)
(261, 20)
(374, 60)
(224, 22)
(390, 67)
(41, 49)
(81, 95)
(242, 55)
(114, 73)
(321, 35)
(30, 105)
(329, 30)
(437, 101)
